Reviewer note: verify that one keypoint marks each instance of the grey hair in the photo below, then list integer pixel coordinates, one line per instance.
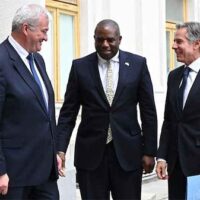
(29, 14)
(108, 22)
(193, 30)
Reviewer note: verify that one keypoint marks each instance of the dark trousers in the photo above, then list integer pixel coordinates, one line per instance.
(46, 191)
(109, 177)
(177, 184)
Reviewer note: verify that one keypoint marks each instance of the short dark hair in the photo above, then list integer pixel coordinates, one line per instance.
(108, 22)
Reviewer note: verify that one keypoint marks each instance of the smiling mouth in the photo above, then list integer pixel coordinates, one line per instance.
(178, 53)
(106, 51)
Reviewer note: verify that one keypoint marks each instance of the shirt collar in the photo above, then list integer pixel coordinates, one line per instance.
(195, 65)
(20, 50)
(103, 61)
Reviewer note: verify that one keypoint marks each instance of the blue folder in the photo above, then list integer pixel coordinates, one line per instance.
(193, 187)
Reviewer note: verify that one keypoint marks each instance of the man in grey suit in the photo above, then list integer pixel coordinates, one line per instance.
(112, 149)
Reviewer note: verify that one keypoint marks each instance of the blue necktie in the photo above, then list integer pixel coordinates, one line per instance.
(186, 72)
(35, 76)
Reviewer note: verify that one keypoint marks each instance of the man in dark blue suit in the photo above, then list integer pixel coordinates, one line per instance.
(112, 149)
(179, 149)
(28, 162)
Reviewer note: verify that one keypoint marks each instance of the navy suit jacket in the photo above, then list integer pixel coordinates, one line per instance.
(180, 135)
(27, 129)
(85, 89)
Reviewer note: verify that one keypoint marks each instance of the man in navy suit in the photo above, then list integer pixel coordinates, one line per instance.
(28, 162)
(179, 149)
(112, 149)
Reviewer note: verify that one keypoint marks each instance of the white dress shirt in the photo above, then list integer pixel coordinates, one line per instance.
(23, 55)
(194, 66)
(102, 65)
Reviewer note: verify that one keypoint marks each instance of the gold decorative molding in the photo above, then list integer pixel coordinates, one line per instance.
(68, 1)
(185, 10)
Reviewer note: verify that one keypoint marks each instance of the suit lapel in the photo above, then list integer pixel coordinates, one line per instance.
(96, 77)
(193, 91)
(25, 74)
(176, 85)
(47, 83)
(124, 68)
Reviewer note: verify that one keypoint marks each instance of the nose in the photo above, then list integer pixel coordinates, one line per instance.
(105, 43)
(174, 46)
(45, 38)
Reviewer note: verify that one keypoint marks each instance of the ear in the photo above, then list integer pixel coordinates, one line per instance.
(120, 39)
(25, 28)
(197, 44)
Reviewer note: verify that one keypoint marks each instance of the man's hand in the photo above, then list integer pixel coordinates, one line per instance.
(61, 163)
(161, 170)
(148, 163)
(4, 179)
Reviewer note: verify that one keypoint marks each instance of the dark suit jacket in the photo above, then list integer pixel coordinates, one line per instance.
(85, 89)
(27, 149)
(180, 136)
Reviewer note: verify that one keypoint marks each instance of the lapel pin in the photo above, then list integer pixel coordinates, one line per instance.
(127, 64)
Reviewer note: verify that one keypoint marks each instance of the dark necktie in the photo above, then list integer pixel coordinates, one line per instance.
(186, 72)
(35, 76)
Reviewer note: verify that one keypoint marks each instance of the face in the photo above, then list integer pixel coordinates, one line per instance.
(36, 35)
(186, 51)
(107, 41)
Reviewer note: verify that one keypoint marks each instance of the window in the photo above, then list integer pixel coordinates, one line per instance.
(171, 58)
(63, 42)
(176, 12)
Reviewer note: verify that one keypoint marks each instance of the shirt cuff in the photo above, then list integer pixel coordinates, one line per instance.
(161, 159)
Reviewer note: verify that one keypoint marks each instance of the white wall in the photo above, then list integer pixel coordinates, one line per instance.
(7, 11)
(193, 10)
